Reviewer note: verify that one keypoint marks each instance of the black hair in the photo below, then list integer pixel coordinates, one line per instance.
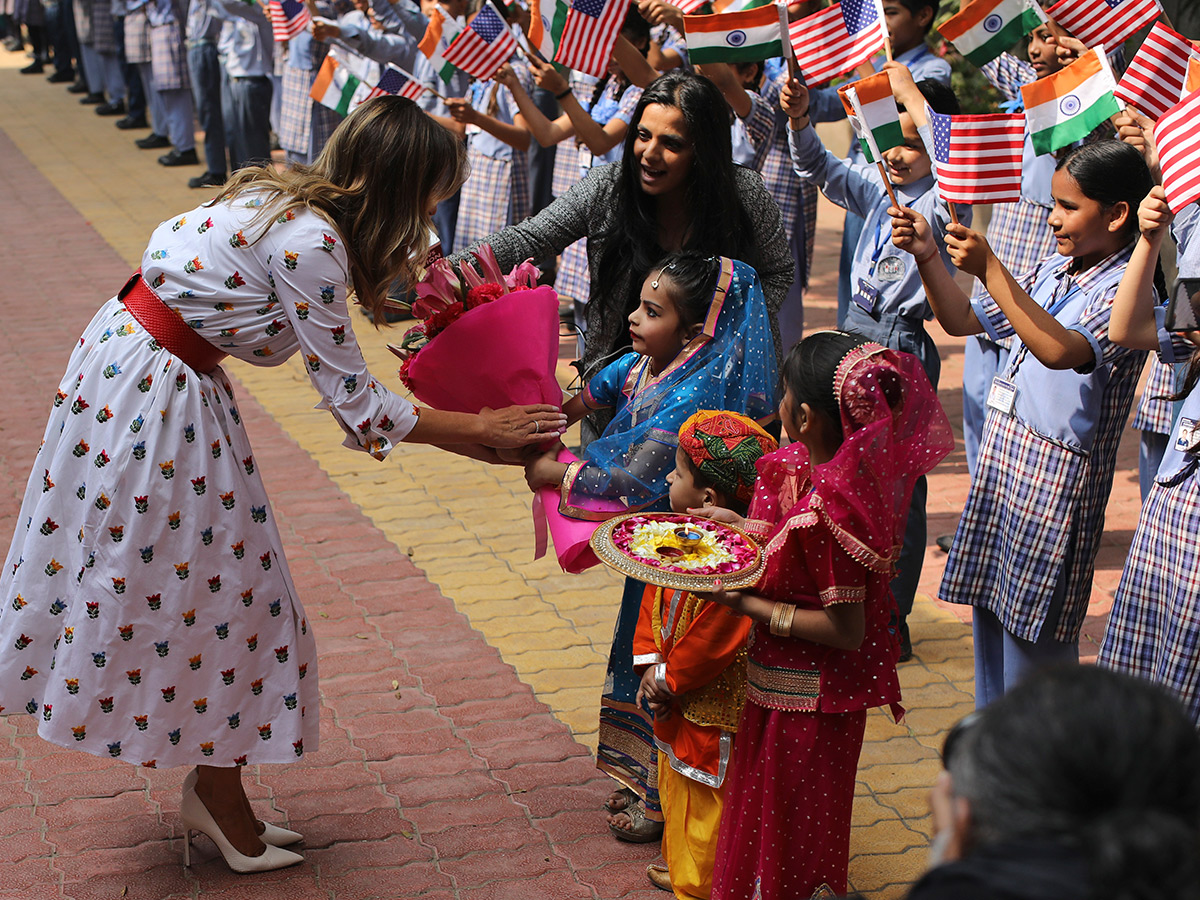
(718, 221)
(1112, 172)
(702, 481)
(809, 368)
(1050, 762)
(940, 97)
(633, 29)
(693, 278)
(758, 67)
(915, 6)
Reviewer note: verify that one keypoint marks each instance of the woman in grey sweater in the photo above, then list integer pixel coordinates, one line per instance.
(676, 188)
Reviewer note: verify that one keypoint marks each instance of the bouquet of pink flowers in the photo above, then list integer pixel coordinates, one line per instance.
(491, 339)
(483, 340)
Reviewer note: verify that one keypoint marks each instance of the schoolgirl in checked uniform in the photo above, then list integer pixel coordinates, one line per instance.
(1018, 232)
(1154, 627)
(1025, 549)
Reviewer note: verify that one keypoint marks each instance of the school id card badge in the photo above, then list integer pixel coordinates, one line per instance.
(867, 296)
(1003, 395)
(1187, 434)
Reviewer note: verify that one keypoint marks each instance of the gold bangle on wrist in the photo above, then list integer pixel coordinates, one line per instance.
(785, 622)
(781, 619)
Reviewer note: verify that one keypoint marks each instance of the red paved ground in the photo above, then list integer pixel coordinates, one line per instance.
(439, 775)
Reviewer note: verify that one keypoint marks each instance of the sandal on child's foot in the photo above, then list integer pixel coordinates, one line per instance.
(659, 877)
(620, 800)
(641, 830)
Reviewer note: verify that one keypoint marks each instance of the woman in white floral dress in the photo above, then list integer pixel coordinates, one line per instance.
(147, 612)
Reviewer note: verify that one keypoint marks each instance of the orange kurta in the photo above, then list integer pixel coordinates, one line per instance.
(703, 648)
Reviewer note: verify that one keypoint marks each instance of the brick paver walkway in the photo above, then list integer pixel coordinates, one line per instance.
(459, 678)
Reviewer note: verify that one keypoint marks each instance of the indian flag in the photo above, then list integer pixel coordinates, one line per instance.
(547, 18)
(739, 5)
(438, 34)
(986, 28)
(745, 36)
(337, 87)
(873, 114)
(1067, 106)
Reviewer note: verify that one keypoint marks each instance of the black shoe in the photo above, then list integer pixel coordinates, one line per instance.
(91, 99)
(62, 77)
(944, 542)
(79, 87)
(34, 68)
(906, 650)
(132, 121)
(153, 141)
(208, 179)
(179, 158)
(115, 108)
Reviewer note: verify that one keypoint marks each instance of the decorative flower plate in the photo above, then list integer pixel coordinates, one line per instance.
(678, 551)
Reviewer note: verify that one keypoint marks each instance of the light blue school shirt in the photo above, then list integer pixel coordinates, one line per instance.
(1064, 405)
(858, 189)
(392, 45)
(245, 43)
(203, 23)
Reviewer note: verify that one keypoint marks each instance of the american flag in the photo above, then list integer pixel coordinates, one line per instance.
(483, 46)
(978, 157)
(588, 36)
(1157, 75)
(1177, 136)
(396, 81)
(1107, 22)
(689, 7)
(837, 39)
(288, 18)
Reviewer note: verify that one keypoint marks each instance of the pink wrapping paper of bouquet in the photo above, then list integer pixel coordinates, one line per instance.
(500, 354)
(572, 537)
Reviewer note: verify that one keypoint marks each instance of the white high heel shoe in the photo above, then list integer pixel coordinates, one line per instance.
(272, 834)
(196, 817)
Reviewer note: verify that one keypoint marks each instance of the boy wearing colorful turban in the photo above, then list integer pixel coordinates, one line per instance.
(692, 657)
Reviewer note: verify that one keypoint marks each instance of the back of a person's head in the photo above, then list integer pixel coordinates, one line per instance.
(1095, 761)
(940, 97)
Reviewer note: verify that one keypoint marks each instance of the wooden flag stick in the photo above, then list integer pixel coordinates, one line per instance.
(953, 213)
(887, 183)
(411, 77)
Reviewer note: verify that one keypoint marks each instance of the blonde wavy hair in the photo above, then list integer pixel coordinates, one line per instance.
(377, 181)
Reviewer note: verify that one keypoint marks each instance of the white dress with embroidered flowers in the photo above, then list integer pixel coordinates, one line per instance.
(147, 612)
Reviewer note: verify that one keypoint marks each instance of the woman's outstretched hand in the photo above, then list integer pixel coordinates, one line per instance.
(520, 426)
(911, 232)
(968, 249)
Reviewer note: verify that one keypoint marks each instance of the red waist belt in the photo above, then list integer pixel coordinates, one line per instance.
(167, 327)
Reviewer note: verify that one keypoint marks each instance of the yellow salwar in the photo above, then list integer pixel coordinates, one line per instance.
(692, 811)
